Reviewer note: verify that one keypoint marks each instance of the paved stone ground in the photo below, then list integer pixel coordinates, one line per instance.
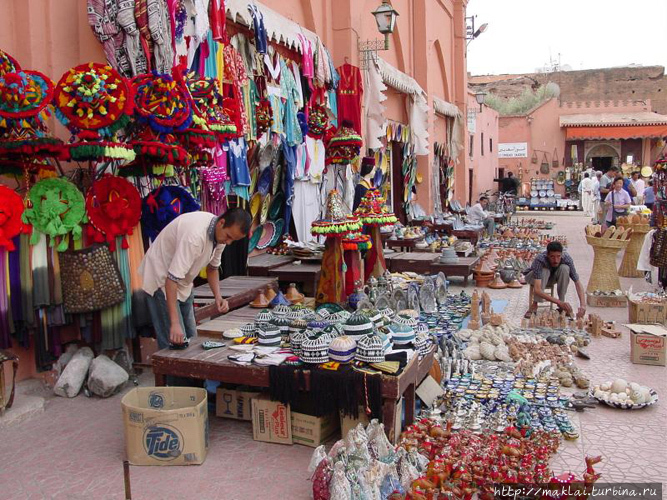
(74, 448)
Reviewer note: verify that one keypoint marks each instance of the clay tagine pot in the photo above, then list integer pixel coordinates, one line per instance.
(260, 302)
(293, 294)
(514, 284)
(270, 293)
(497, 282)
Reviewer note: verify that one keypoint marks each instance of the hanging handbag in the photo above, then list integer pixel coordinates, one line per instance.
(658, 255)
(90, 280)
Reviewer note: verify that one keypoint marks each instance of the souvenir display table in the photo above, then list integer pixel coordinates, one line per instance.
(213, 364)
(464, 268)
(260, 265)
(414, 262)
(473, 235)
(306, 274)
(238, 290)
(403, 244)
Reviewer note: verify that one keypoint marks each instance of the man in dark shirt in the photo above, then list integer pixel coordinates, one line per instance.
(509, 184)
(554, 267)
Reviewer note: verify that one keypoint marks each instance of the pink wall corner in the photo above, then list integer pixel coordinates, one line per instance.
(484, 158)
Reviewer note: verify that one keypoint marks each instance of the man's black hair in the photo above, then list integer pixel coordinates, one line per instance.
(613, 168)
(482, 198)
(555, 246)
(237, 217)
(510, 174)
(586, 175)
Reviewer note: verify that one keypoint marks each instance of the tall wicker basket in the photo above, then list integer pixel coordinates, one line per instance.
(604, 276)
(628, 267)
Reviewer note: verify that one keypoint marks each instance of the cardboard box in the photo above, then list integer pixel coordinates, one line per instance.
(648, 344)
(231, 403)
(604, 301)
(645, 313)
(348, 423)
(313, 431)
(166, 425)
(271, 421)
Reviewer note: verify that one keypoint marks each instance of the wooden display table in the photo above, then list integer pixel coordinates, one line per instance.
(417, 262)
(403, 244)
(238, 290)
(306, 274)
(260, 265)
(468, 234)
(195, 362)
(464, 268)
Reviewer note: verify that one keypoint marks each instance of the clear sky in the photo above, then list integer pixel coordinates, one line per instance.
(524, 34)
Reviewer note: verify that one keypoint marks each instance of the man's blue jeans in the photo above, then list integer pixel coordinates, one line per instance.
(157, 306)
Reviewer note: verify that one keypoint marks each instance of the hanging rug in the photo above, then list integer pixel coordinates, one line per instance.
(162, 102)
(162, 206)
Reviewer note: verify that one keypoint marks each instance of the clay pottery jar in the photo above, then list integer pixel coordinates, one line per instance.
(260, 302)
(514, 284)
(293, 294)
(497, 282)
(485, 268)
(270, 294)
(482, 280)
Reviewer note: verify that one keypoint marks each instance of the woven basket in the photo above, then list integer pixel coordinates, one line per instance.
(604, 276)
(628, 267)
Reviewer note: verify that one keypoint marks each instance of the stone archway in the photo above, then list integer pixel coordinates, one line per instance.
(602, 155)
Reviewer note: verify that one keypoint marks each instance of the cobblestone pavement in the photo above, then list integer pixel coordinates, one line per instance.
(74, 449)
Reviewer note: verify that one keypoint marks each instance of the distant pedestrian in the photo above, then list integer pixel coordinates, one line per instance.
(479, 215)
(617, 202)
(596, 197)
(587, 194)
(638, 184)
(649, 195)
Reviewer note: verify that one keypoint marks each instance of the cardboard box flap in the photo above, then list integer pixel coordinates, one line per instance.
(657, 330)
(164, 398)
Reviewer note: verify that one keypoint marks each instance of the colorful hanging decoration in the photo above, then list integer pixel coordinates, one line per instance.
(24, 98)
(318, 121)
(336, 223)
(209, 102)
(114, 210)
(8, 64)
(11, 211)
(344, 147)
(357, 241)
(162, 102)
(57, 209)
(374, 213)
(162, 206)
(94, 102)
(263, 116)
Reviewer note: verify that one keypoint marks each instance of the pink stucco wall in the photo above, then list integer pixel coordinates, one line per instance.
(541, 130)
(484, 166)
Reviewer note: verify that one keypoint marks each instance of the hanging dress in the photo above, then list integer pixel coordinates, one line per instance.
(349, 95)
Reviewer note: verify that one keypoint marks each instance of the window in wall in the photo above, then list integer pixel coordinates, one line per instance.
(490, 145)
(481, 144)
(472, 142)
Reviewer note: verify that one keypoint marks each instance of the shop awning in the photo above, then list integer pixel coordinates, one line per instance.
(445, 108)
(630, 125)
(622, 132)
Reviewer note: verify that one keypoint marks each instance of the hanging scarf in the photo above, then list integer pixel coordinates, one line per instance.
(103, 19)
(135, 52)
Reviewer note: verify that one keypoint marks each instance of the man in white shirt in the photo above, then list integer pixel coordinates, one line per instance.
(596, 195)
(639, 186)
(478, 215)
(587, 194)
(185, 246)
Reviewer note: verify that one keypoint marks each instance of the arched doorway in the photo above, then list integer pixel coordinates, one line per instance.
(602, 157)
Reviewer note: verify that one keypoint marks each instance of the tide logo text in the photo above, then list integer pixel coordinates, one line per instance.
(163, 442)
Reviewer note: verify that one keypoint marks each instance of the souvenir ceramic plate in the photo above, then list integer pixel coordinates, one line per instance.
(277, 171)
(624, 406)
(268, 232)
(253, 179)
(255, 205)
(256, 235)
(280, 225)
(550, 192)
(266, 203)
(276, 206)
(534, 193)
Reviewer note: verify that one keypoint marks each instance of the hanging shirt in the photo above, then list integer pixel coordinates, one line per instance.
(349, 95)
(290, 93)
(307, 64)
(235, 73)
(182, 249)
(277, 108)
(316, 157)
(237, 162)
(260, 30)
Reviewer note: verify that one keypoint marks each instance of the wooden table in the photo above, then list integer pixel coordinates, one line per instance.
(463, 268)
(233, 319)
(402, 244)
(306, 274)
(416, 262)
(260, 265)
(195, 362)
(468, 234)
(238, 290)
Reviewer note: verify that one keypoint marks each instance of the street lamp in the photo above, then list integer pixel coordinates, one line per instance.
(385, 17)
(471, 32)
(480, 97)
